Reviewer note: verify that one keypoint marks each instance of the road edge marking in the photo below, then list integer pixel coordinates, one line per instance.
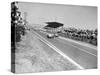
(78, 43)
(82, 49)
(72, 41)
(59, 51)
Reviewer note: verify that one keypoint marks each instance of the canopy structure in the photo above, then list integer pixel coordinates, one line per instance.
(54, 24)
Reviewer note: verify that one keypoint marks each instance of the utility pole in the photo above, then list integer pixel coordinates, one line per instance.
(25, 18)
(25, 21)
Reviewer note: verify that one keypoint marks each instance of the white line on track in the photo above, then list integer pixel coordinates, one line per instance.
(72, 41)
(81, 49)
(78, 43)
(74, 46)
(59, 51)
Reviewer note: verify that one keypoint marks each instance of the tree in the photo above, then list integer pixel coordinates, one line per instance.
(17, 27)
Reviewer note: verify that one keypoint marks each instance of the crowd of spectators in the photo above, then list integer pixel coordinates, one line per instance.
(85, 35)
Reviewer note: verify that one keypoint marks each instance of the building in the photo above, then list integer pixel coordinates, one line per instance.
(53, 26)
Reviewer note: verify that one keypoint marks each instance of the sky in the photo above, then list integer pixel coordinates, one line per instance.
(83, 17)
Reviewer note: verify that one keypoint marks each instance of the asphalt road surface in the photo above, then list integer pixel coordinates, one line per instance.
(84, 56)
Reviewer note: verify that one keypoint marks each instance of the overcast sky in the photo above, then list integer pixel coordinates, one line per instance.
(84, 17)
